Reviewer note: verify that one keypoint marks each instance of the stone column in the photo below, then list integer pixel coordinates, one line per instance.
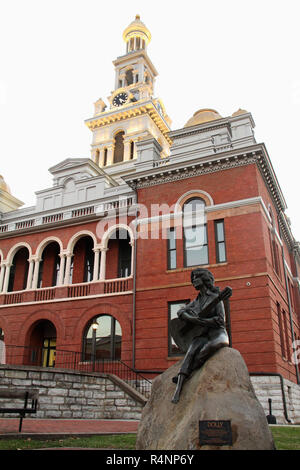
(103, 263)
(68, 268)
(6, 277)
(30, 272)
(132, 256)
(2, 274)
(36, 273)
(61, 269)
(127, 150)
(110, 154)
(96, 264)
(101, 157)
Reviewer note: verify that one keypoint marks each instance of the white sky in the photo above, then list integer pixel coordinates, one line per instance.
(56, 61)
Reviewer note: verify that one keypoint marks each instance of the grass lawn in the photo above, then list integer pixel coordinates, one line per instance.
(285, 438)
(116, 441)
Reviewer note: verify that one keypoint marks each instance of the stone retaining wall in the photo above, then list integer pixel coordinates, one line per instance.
(270, 387)
(74, 395)
(65, 394)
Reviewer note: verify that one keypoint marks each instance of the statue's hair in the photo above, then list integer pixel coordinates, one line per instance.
(208, 278)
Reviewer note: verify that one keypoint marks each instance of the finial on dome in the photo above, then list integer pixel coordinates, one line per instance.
(137, 17)
(239, 112)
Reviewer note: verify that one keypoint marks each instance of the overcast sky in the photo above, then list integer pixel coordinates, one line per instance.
(56, 61)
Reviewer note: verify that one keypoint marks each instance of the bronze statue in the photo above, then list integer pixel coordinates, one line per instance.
(200, 330)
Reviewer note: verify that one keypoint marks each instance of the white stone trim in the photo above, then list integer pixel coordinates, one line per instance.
(73, 240)
(67, 299)
(196, 192)
(213, 208)
(14, 249)
(111, 230)
(42, 245)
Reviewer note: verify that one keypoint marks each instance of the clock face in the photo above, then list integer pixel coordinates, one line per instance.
(120, 99)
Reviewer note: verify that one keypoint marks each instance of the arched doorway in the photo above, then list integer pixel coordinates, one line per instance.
(42, 344)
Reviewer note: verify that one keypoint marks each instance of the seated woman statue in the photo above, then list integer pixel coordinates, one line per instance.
(199, 330)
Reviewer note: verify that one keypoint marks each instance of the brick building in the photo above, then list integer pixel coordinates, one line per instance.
(102, 262)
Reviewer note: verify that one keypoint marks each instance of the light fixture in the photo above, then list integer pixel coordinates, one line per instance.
(95, 324)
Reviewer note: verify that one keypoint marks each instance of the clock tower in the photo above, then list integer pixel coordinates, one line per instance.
(131, 113)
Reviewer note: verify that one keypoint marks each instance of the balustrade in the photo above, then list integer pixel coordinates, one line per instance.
(11, 224)
(104, 287)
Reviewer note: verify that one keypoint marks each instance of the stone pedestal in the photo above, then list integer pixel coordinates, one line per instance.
(220, 390)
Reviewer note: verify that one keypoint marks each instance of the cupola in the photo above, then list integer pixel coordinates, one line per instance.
(137, 36)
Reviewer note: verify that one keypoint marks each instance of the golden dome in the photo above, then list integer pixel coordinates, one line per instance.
(239, 112)
(203, 115)
(137, 28)
(4, 186)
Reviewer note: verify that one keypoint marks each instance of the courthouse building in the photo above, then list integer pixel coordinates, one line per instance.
(103, 260)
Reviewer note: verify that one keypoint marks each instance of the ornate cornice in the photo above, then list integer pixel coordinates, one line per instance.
(167, 174)
(257, 155)
(126, 112)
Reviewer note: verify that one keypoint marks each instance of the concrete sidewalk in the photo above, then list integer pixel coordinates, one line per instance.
(59, 428)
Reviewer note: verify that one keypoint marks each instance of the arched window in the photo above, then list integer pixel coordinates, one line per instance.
(131, 150)
(195, 233)
(119, 147)
(102, 339)
(105, 157)
(129, 77)
(97, 156)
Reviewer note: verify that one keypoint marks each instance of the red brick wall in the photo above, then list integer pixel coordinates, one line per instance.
(248, 270)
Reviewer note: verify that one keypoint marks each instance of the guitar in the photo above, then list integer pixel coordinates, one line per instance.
(223, 295)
